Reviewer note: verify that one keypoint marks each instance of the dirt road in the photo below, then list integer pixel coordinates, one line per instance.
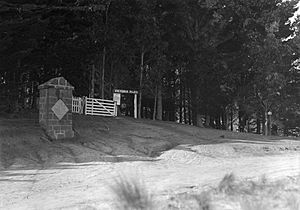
(87, 185)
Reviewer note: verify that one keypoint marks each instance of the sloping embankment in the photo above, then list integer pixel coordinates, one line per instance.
(23, 143)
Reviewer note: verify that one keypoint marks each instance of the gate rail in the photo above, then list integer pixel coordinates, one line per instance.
(100, 107)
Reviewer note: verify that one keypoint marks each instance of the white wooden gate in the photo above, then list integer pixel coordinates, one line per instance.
(77, 105)
(101, 107)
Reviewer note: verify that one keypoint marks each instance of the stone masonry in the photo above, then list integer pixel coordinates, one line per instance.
(55, 108)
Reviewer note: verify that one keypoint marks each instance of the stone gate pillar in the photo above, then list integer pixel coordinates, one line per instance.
(55, 108)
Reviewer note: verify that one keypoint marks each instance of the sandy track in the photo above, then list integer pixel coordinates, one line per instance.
(86, 185)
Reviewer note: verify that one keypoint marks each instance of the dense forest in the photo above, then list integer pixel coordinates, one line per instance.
(225, 64)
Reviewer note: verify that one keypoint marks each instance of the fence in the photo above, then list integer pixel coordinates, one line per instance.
(77, 105)
(100, 107)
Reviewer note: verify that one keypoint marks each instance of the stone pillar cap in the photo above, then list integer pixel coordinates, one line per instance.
(58, 83)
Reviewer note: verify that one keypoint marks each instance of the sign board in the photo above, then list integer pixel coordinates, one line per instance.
(126, 91)
(117, 98)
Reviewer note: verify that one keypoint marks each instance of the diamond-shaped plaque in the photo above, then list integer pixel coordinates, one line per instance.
(60, 109)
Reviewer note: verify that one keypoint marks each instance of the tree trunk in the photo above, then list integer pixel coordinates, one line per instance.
(248, 126)
(207, 120)
(285, 131)
(224, 120)
(32, 97)
(231, 120)
(159, 112)
(141, 85)
(212, 121)
(103, 72)
(194, 106)
(111, 78)
(269, 125)
(159, 102)
(173, 105)
(263, 124)
(258, 125)
(189, 106)
(92, 93)
(218, 121)
(199, 120)
(17, 80)
(266, 122)
(155, 104)
(180, 102)
(104, 51)
(184, 105)
(241, 120)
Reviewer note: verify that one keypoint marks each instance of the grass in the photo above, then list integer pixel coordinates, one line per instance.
(250, 203)
(231, 193)
(132, 194)
(262, 194)
(203, 201)
(293, 202)
(227, 185)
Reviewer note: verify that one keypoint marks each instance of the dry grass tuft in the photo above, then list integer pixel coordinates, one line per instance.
(293, 203)
(132, 195)
(251, 187)
(204, 201)
(227, 185)
(249, 203)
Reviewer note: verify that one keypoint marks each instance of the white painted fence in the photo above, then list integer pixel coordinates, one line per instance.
(100, 107)
(77, 105)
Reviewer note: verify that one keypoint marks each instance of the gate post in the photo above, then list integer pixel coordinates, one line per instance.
(135, 106)
(55, 108)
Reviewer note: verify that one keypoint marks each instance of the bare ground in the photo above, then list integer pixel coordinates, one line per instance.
(171, 159)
